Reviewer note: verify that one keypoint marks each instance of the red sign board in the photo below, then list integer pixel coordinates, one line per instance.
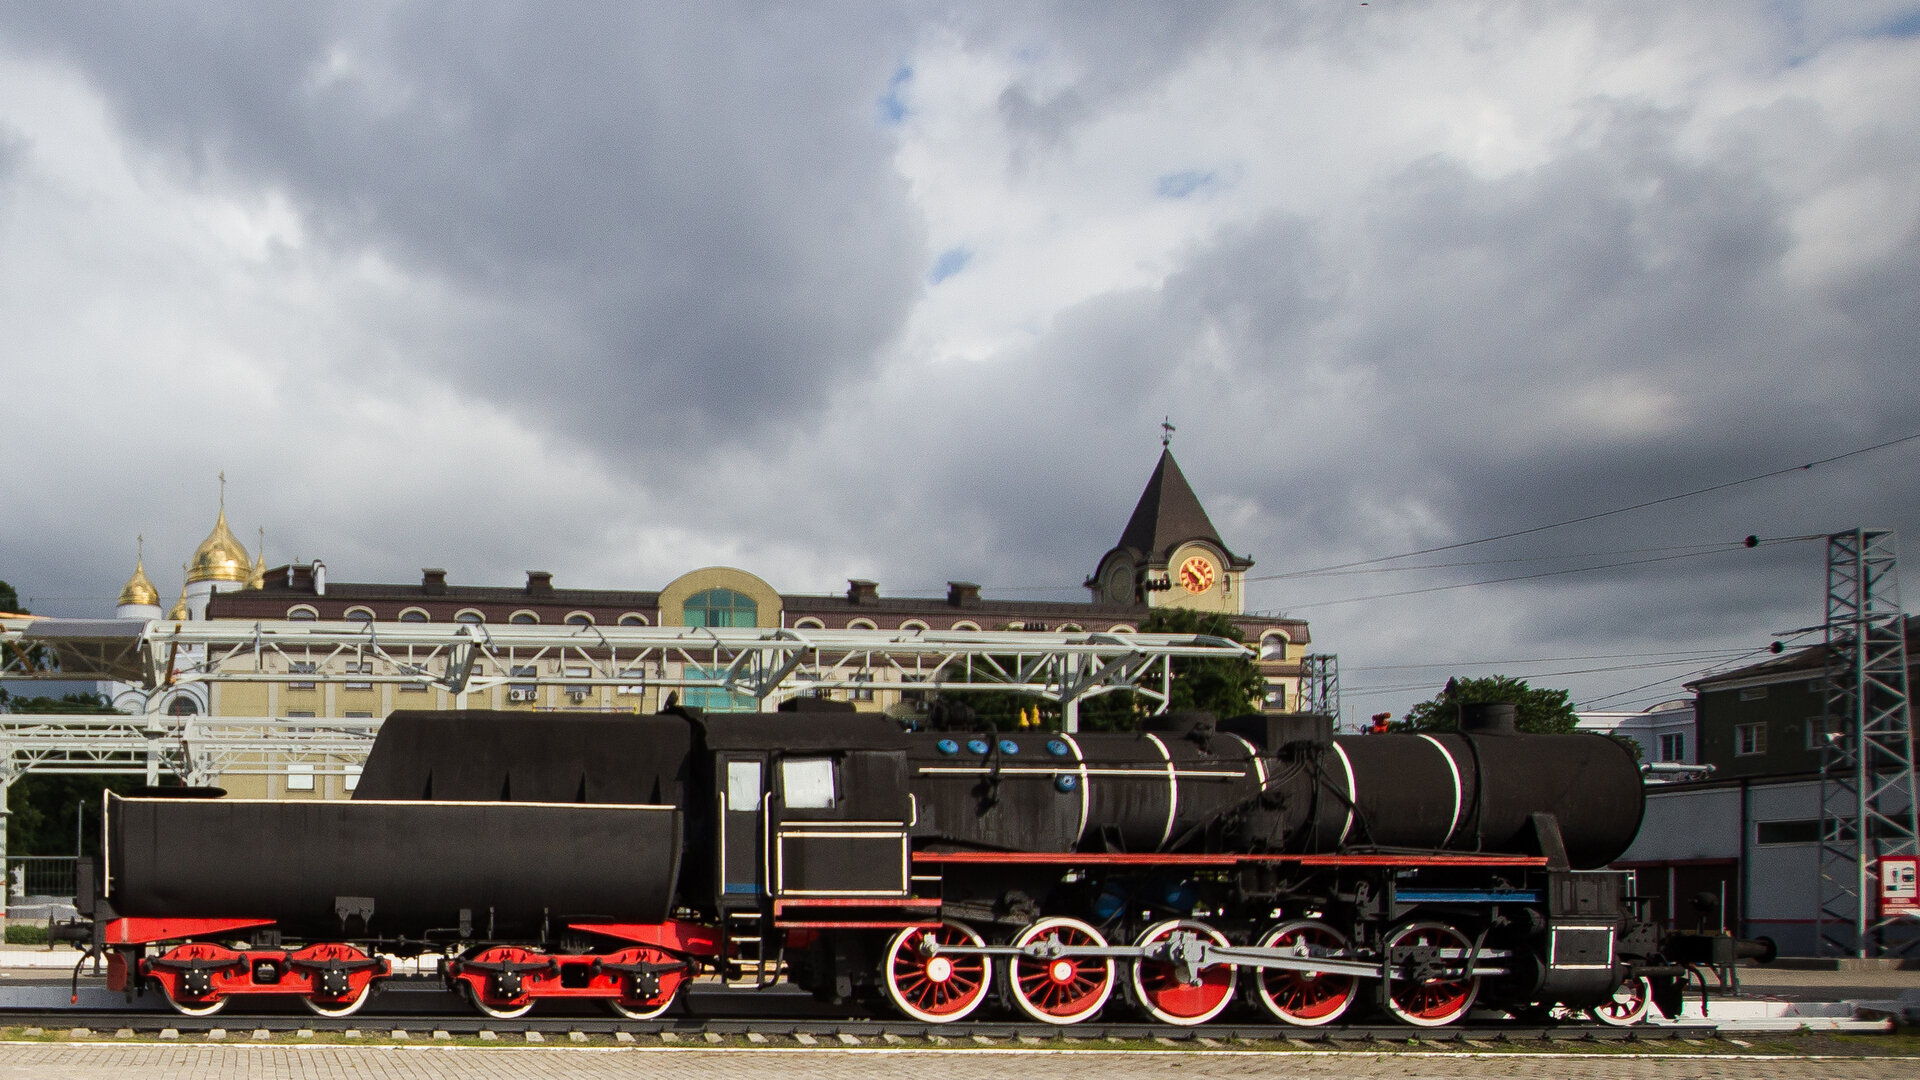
(1899, 885)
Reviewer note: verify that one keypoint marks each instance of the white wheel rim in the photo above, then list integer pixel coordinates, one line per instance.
(1280, 1011)
(1038, 932)
(1607, 1015)
(621, 1008)
(185, 1009)
(1140, 993)
(898, 995)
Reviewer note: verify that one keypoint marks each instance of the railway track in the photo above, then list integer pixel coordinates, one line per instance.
(714, 1015)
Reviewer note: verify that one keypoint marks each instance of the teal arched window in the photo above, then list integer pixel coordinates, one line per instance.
(720, 607)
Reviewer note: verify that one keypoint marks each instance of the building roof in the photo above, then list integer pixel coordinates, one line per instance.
(1799, 663)
(1169, 514)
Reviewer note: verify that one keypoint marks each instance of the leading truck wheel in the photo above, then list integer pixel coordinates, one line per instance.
(1631, 1001)
(1157, 986)
(1054, 988)
(1418, 995)
(1305, 998)
(941, 988)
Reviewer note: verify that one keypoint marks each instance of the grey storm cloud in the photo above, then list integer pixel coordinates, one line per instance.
(688, 243)
(678, 223)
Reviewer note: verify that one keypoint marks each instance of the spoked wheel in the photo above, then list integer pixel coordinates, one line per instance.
(936, 989)
(1159, 991)
(1632, 1000)
(1429, 1000)
(207, 995)
(1305, 998)
(338, 1007)
(1057, 989)
(666, 985)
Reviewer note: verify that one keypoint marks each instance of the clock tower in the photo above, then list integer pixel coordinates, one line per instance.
(1169, 554)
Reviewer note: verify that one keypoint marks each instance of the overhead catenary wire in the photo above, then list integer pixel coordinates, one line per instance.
(1609, 513)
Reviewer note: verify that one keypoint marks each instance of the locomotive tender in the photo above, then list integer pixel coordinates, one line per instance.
(1184, 868)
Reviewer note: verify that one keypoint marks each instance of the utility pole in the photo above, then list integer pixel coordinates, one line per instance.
(1867, 795)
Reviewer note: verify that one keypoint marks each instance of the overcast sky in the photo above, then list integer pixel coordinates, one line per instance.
(903, 292)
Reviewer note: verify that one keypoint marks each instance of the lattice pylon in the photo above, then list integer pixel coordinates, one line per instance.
(1319, 686)
(1867, 769)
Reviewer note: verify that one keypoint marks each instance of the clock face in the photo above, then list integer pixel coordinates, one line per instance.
(1196, 574)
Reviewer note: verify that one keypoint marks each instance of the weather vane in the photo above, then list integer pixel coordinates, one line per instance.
(1166, 432)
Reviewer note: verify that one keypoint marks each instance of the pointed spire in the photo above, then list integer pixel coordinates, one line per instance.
(139, 590)
(178, 612)
(1169, 514)
(258, 579)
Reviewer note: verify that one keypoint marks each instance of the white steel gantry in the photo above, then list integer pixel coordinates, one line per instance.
(1867, 794)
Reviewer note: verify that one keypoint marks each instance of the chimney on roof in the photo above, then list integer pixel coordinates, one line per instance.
(963, 594)
(862, 591)
(539, 583)
(433, 581)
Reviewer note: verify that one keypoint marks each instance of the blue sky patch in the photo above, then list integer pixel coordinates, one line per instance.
(893, 103)
(950, 262)
(1905, 26)
(1182, 184)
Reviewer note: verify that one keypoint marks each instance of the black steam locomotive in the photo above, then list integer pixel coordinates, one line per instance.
(1184, 868)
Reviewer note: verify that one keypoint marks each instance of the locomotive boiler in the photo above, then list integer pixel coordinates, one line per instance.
(1185, 869)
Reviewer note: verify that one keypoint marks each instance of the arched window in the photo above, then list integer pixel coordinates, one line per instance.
(523, 618)
(1273, 647)
(861, 624)
(360, 614)
(470, 617)
(914, 625)
(809, 623)
(966, 624)
(302, 613)
(579, 618)
(720, 607)
(1121, 628)
(414, 614)
(633, 618)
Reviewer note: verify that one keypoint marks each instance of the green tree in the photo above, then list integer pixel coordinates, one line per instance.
(10, 600)
(1538, 712)
(44, 807)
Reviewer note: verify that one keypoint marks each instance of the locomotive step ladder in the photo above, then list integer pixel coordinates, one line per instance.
(746, 943)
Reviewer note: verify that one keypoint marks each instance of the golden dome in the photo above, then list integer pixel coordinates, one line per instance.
(178, 612)
(258, 579)
(139, 589)
(220, 557)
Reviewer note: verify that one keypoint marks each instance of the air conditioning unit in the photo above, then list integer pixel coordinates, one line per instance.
(521, 694)
(577, 696)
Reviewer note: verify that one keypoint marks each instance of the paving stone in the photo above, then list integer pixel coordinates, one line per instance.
(261, 1034)
(576, 1036)
(534, 1036)
(169, 1034)
(217, 1035)
(489, 1035)
(805, 1039)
